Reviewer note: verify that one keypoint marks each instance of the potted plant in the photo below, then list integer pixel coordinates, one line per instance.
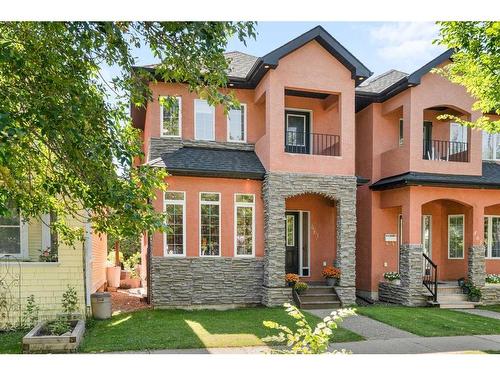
(392, 277)
(300, 287)
(466, 287)
(331, 275)
(113, 270)
(291, 279)
(474, 294)
(492, 279)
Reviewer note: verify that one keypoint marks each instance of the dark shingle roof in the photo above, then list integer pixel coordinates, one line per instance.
(208, 162)
(381, 82)
(490, 179)
(240, 64)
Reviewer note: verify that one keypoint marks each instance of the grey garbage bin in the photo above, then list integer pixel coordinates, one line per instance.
(101, 305)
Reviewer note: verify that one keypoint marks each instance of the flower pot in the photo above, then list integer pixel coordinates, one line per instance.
(113, 276)
(124, 275)
(395, 282)
(331, 281)
(291, 284)
(474, 298)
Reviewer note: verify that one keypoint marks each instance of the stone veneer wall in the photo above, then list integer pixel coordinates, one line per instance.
(218, 281)
(491, 294)
(279, 186)
(410, 292)
(476, 265)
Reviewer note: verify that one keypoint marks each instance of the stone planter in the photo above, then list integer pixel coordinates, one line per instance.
(394, 282)
(130, 283)
(331, 281)
(113, 276)
(36, 341)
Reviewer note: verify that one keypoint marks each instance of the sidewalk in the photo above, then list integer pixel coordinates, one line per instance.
(413, 345)
(483, 313)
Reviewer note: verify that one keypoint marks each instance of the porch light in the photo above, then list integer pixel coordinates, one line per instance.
(266, 66)
(231, 84)
(361, 78)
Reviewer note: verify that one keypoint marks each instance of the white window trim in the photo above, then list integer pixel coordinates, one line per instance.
(179, 101)
(46, 235)
(178, 202)
(489, 240)
(311, 122)
(213, 120)
(244, 107)
(199, 222)
(430, 234)
(401, 132)
(463, 233)
(23, 251)
(252, 206)
(493, 146)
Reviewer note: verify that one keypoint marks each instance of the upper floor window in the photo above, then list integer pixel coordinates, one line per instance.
(458, 133)
(204, 120)
(237, 124)
(491, 146)
(401, 131)
(13, 235)
(171, 116)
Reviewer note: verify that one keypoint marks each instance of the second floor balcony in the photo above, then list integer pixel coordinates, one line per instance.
(435, 149)
(300, 142)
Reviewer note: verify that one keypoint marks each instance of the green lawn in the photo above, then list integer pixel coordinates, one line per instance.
(495, 308)
(426, 321)
(10, 342)
(169, 329)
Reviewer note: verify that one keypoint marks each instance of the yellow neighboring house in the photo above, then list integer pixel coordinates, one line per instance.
(32, 262)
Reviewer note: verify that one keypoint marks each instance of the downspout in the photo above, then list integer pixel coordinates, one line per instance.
(87, 266)
(149, 296)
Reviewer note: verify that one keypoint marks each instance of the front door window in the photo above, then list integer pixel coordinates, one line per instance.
(427, 240)
(292, 243)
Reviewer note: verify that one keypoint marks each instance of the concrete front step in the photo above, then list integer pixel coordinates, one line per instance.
(317, 289)
(452, 297)
(320, 305)
(444, 304)
(328, 297)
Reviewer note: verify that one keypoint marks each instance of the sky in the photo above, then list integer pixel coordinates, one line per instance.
(381, 46)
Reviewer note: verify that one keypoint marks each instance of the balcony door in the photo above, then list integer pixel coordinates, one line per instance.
(428, 149)
(297, 131)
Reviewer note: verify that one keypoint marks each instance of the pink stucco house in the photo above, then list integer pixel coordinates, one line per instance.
(316, 168)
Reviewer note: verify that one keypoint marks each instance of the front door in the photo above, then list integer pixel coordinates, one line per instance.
(292, 242)
(297, 131)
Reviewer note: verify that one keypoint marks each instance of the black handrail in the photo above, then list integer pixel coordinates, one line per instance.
(434, 149)
(429, 279)
(312, 143)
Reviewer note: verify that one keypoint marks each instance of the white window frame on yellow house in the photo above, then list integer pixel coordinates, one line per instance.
(23, 240)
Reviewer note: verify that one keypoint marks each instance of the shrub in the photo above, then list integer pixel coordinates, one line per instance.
(493, 279)
(70, 300)
(131, 263)
(391, 276)
(299, 287)
(291, 278)
(474, 292)
(30, 313)
(330, 272)
(305, 340)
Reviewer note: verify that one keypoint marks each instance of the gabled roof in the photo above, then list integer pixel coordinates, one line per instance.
(210, 162)
(490, 179)
(240, 64)
(391, 83)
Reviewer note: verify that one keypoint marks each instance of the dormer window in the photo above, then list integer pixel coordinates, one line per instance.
(170, 117)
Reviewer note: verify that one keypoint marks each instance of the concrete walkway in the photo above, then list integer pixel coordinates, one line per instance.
(368, 328)
(414, 345)
(420, 345)
(485, 313)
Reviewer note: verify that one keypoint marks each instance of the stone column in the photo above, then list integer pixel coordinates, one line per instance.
(411, 270)
(346, 247)
(274, 291)
(476, 265)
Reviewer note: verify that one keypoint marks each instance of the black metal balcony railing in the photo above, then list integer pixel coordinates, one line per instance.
(312, 143)
(445, 150)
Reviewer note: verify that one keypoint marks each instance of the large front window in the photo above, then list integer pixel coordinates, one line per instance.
(491, 146)
(455, 236)
(492, 236)
(204, 119)
(209, 224)
(244, 207)
(237, 126)
(175, 209)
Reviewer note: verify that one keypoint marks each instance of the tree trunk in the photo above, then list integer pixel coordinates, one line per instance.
(117, 253)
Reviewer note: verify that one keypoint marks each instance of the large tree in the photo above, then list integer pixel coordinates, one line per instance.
(66, 143)
(475, 65)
